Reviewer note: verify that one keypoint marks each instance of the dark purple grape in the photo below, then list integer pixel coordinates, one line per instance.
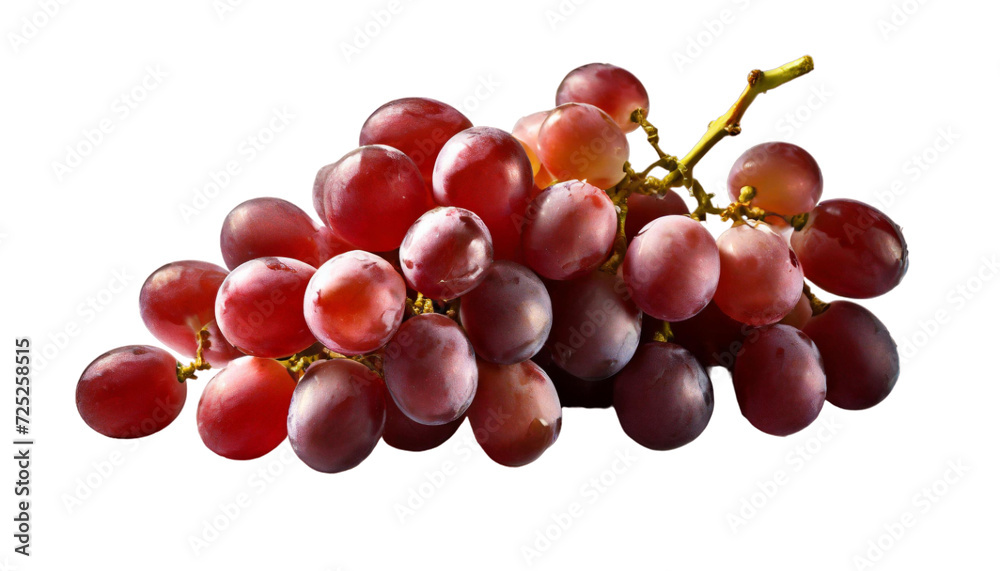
(446, 253)
(430, 369)
(712, 337)
(337, 415)
(509, 315)
(786, 177)
(574, 392)
(663, 397)
(516, 415)
(404, 433)
(851, 249)
(130, 392)
(779, 380)
(595, 325)
(859, 355)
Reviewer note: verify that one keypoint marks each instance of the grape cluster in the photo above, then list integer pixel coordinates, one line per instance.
(464, 271)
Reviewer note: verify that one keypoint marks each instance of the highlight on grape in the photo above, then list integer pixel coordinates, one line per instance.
(464, 273)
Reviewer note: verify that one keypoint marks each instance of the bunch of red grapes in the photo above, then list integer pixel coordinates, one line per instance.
(469, 272)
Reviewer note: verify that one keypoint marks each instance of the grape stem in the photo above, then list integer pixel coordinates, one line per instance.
(185, 372)
(818, 305)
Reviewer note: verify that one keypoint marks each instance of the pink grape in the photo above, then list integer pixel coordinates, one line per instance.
(372, 196)
(663, 397)
(446, 253)
(516, 415)
(851, 249)
(272, 227)
(430, 369)
(779, 380)
(671, 268)
(178, 300)
(130, 392)
(259, 307)
(786, 177)
(241, 414)
(417, 126)
(509, 315)
(580, 142)
(859, 355)
(355, 302)
(612, 89)
(569, 230)
(526, 131)
(337, 415)
(760, 280)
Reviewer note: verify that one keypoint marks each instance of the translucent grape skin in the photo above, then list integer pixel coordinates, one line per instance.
(130, 392)
(526, 131)
(779, 380)
(372, 196)
(595, 325)
(760, 279)
(786, 177)
(644, 208)
(272, 227)
(259, 307)
(417, 126)
(355, 302)
(612, 89)
(712, 337)
(404, 433)
(486, 170)
(317, 194)
(509, 315)
(242, 412)
(446, 253)
(430, 369)
(859, 355)
(851, 249)
(516, 415)
(337, 415)
(580, 142)
(672, 268)
(178, 300)
(663, 397)
(569, 230)
(800, 314)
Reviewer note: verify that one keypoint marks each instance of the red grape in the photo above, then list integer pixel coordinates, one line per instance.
(417, 126)
(779, 380)
(404, 433)
(486, 170)
(509, 315)
(430, 369)
(612, 89)
(786, 177)
(671, 268)
(355, 303)
(595, 325)
(259, 307)
(318, 183)
(580, 142)
(851, 249)
(242, 412)
(263, 227)
(372, 196)
(178, 300)
(712, 337)
(526, 131)
(446, 253)
(569, 230)
(859, 355)
(516, 415)
(663, 397)
(760, 280)
(130, 392)
(337, 415)
(644, 208)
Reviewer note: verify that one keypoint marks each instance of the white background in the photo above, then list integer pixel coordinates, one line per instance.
(891, 76)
